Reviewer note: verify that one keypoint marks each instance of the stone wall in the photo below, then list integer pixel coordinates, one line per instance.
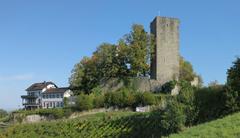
(142, 84)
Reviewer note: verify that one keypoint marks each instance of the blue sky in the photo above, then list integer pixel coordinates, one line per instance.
(42, 40)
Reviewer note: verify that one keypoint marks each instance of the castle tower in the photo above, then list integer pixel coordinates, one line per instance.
(165, 61)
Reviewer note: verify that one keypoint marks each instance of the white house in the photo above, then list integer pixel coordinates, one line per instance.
(45, 95)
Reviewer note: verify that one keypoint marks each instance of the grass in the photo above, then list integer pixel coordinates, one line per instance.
(228, 127)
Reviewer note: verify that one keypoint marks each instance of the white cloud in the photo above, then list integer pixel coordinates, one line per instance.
(19, 77)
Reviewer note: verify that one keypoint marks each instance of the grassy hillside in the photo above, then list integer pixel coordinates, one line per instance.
(115, 124)
(228, 127)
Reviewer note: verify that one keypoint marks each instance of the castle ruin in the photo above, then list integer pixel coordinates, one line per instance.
(165, 61)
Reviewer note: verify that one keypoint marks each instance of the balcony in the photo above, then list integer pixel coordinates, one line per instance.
(31, 104)
(29, 97)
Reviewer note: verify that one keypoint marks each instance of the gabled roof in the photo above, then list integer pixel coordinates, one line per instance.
(56, 90)
(39, 86)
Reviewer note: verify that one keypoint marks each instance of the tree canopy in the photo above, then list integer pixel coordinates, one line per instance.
(130, 57)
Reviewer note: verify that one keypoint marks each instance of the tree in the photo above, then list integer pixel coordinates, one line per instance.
(186, 70)
(3, 113)
(127, 59)
(232, 94)
(138, 40)
(233, 76)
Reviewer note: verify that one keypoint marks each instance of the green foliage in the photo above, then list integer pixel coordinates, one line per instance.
(138, 42)
(84, 102)
(3, 113)
(230, 99)
(232, 95)
(187, 98)
(143, 99)
(173, 117)
(233, 76)
(128, 58)
(186, 70)
(168, 87)
(57, 113)
(210, 102)
(227, 127)
(121, 98)
(187, 73)
(129, 98)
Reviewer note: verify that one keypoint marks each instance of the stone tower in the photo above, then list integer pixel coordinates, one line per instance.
(165, 61)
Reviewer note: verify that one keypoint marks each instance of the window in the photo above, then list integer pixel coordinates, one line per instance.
(61, 95)
(61, 104)
(58, 96)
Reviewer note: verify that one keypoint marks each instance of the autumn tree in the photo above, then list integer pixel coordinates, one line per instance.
(138, 41)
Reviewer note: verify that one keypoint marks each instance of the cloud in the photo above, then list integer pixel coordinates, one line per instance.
(19, 77)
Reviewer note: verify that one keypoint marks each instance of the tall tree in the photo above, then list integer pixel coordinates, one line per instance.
(233, 76)
(138, 40)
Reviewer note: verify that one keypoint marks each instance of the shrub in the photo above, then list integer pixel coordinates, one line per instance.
(108, 99)
(187, 98)
(173, 117)
(143, 99)
(121, 98)
(168, 87)
(98, 101)
(84, 102)
(210, 103)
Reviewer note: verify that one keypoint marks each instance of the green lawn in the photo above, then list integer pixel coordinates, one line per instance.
(228, 127)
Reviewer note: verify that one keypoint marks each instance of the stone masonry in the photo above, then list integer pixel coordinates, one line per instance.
(165, 62)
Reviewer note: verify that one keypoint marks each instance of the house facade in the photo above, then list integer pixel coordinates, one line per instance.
(45, 95)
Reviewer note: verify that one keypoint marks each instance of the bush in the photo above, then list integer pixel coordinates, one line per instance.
(143, 99)
(210, 103)
(187, 98)
(84, 102)
(168, 87)
(172, 118)
(121, 98)
(98, 101)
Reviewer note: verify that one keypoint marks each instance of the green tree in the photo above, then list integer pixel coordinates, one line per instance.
(186, 70)
(232, 94)
(233, 76)
(3, 113)
(138, 40)
(85, 75)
